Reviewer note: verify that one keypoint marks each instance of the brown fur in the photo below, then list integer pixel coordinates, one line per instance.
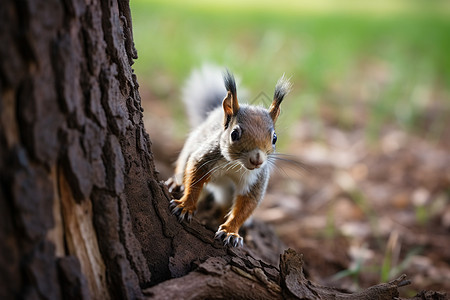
(242, 209)
(194, 181)
(274, 110)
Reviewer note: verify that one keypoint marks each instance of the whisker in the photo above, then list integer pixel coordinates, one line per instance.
(209, 172)
(293, 168)
(232, 165)
(297, 166)
(237, 164)
(209, 161)
(279, 169)
(286, 158)
(242, 174)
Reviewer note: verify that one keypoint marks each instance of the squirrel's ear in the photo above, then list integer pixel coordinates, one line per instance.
(282, 88)
(230, 107)
(230, 103)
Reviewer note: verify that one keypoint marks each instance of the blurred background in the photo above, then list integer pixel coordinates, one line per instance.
(369, 113)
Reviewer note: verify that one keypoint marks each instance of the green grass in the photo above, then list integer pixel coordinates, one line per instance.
(350, 64)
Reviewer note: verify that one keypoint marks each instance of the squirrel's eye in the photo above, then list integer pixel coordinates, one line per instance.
(235, 135)
(274, 138)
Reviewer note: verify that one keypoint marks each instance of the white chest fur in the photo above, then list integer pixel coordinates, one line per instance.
(235, 176)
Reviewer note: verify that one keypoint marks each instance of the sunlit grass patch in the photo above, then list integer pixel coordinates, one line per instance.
(352, 65)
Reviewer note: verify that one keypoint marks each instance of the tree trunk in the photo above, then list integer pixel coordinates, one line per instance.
(82, 212)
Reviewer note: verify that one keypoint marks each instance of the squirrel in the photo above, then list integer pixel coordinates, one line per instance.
(229, 151)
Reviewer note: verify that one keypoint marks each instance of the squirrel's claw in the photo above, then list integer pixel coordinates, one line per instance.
(182, 215)
(189, 217)
(174, 208)
(172, 205)
(175, 189)
(180, 212)
(230, 239)
(171, 184)
(235, 241)
(220, 235)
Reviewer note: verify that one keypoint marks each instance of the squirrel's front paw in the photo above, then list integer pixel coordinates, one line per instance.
(229, 238)
(179, 209)
(174, 188)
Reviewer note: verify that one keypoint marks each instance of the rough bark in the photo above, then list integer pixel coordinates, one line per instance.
(82, 212)
(236, 277)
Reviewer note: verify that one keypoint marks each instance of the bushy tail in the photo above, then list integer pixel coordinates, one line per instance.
(203, 91)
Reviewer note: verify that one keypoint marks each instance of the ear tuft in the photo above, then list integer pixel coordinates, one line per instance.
(282, 88)
(230, 83)
(230, 103)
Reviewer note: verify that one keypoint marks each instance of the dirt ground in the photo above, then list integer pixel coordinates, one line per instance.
(361, 212)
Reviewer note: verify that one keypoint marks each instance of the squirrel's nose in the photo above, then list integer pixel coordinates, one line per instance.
(256, 160)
